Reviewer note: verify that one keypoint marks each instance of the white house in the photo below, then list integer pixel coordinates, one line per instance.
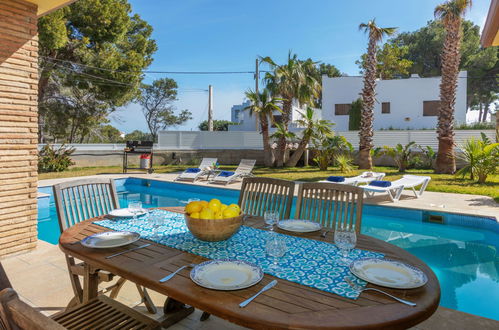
(410, 103)
(247, 122)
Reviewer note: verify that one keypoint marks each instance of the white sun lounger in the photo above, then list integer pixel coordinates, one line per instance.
(205, 166)
(243, 170)
(397, 187)
(362, 178)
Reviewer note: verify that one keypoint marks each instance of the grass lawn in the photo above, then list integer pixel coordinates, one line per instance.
(439, 182)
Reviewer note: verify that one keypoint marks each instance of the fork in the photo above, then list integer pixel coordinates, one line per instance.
(166, 278)
(361, 289)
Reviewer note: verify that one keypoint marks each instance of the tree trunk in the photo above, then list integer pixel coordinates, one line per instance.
(293, 160)
(480, 112)
(282, 143)
(445, 162)
(485, 112)
(451, 56)
(365, 160)
(367, 112)
(267, 151)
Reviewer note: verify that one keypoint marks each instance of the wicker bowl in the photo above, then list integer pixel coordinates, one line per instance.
(213, 230)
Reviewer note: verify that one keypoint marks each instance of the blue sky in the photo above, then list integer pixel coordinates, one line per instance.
(227, 35)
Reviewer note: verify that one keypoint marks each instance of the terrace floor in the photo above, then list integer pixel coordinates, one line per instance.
(40, 276)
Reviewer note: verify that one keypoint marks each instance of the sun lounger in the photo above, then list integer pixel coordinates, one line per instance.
(243, 170)
(394, 189)
(365, 177)
(195, 173)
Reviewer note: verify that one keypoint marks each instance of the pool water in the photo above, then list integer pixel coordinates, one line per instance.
(463, 252)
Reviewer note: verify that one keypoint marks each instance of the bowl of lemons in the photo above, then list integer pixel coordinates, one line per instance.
(213, 221)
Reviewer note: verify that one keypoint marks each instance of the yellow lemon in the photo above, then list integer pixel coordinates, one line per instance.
(223, 207)
(219, 215)
(214, 205)
(230, 212)
(193, 207)
(203, 204)
(206, 213)
(195, 215)
(235, 206)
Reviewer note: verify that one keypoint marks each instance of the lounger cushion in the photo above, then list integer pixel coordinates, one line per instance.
(379, 183)
(226, 174)
(192, 170)
(336, 178)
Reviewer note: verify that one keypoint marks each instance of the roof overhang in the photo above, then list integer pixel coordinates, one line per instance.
(47, 6)
(490, 33)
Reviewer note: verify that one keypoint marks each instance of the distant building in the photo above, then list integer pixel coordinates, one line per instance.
(237, 110)
(248, 122)
(410, 103)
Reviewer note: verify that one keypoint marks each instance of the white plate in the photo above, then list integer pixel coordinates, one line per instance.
(388, 273)
(226, 274)
(299, 226)
(126, 213)
(110, 239)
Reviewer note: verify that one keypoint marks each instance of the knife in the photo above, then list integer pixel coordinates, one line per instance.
(129, 250)
(265, 288)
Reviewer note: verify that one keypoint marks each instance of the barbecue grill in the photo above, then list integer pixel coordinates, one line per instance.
(144, 148)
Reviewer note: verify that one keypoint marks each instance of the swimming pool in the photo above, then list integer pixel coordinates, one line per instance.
(463, 252)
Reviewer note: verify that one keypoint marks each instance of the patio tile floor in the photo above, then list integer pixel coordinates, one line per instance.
(40, 278)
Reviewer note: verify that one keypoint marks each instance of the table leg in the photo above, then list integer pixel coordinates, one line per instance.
(90, 283)
(174, 311)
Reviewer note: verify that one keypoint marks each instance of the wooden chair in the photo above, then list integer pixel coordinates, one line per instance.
(101, 312)
(264, 194)
(77, 201)
(332, 205)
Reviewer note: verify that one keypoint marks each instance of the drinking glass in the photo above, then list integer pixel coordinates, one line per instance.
(135, 208)
(345, 239)
(276, 248)
(156, 221)
(271, 218)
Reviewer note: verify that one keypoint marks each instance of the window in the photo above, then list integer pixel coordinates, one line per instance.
(342, 109)
(431, 108)
(277, 119)
(385, 107)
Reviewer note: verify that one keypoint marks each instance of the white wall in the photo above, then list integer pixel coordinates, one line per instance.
(406, 98)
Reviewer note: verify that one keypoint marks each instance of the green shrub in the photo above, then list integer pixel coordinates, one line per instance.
(54, 160)
(354, 115)
(402, 155)
(344, 162)
(429, 157)
(481, 157)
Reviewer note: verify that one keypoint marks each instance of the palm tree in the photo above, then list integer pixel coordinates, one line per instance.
(450, 13)
(376, 34)
(291, 81)
(311, 126)
(264, 105)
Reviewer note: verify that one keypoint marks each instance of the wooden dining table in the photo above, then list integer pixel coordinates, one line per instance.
(286, 306)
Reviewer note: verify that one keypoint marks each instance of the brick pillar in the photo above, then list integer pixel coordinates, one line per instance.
(18, 126)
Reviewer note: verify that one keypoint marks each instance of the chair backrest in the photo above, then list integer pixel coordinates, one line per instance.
(246, 166)
(332, 205)
(265, 194)
(79, 200)
(205, 162)
(15, 314)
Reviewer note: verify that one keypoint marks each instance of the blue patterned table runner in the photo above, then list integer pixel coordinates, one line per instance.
(307, 262)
